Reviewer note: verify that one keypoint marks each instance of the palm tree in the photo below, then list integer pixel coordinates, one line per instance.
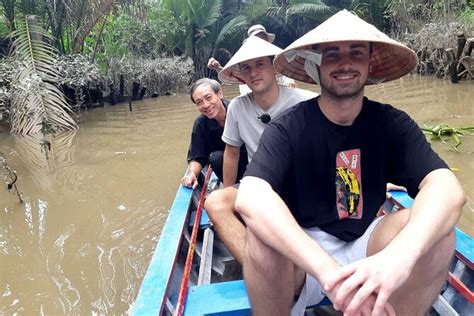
(37, 104)
(287, 19)
(293, 18)
(199, 18)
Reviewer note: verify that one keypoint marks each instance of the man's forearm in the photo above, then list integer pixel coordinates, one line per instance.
(194, 167)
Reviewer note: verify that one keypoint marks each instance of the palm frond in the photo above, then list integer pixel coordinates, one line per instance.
(37, 104)
(205, 12)
(310, 10)
(231, 31)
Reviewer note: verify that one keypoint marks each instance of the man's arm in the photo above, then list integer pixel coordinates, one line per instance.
(265, 213)
(213, 64)
(190, 178)
(433, 215)
(231, 164)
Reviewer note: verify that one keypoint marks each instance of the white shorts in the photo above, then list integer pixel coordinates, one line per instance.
(343, 252)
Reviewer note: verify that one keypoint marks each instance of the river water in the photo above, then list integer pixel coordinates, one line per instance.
(94, 205)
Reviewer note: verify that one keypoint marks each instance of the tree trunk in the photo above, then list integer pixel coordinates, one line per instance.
(102, 11)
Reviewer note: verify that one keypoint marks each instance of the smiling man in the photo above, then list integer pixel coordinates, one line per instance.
(311, 193)
(206, 144)
(247, 117)
(249, 114)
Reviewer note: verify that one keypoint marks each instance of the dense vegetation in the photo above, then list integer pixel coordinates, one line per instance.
(164, 44)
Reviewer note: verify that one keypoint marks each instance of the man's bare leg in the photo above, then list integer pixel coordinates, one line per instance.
(417, 295)
(220, 208)
(270, 278)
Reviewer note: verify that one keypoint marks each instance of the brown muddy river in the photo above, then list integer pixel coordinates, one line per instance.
(93, 209)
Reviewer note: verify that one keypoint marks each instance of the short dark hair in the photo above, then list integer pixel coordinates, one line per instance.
(271, 57)
(371, 47)
(215, 86)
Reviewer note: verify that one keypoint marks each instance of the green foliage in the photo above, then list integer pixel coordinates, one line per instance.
(448, 134)
(128, 36)
(37, 105)
(295, 19)
(466, 18)
(199, 19)
(4, 31)
(287, 20)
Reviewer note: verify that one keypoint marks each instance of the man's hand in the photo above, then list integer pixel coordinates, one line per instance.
(189, 180)
(214, 64)
(377, 276)
(364, 308)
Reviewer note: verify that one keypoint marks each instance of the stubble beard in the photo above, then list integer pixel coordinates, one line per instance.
(343, 93)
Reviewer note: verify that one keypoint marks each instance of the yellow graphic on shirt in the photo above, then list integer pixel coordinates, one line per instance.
(348, 191)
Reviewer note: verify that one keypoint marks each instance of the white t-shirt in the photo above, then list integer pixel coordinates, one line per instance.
(242, 125)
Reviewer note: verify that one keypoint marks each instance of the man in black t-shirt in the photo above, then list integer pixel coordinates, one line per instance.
(311, 193)
(206, 144)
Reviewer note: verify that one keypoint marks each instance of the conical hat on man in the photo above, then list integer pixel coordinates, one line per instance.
(253, 47)
(390, 59)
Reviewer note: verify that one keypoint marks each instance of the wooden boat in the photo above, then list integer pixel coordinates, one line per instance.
(215, 282)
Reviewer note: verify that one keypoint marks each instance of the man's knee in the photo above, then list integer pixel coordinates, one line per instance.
(386, 230)
(213, 202)
(220, 201)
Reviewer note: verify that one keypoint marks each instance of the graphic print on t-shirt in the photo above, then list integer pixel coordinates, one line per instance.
(348, 184)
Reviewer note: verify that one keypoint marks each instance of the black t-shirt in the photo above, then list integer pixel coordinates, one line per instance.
(206, 138)
(333, 176)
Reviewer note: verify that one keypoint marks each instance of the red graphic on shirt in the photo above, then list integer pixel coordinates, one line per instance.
(349, 201)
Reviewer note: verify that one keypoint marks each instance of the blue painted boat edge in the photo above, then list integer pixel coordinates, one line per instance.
(465, 246)
(155, 283)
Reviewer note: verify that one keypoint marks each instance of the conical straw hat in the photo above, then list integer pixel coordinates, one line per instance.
(253, 47)
(390, 59)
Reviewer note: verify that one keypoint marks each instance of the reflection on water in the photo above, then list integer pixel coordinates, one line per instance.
(95, 204)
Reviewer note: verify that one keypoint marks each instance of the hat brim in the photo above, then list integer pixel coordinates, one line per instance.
(270, 37)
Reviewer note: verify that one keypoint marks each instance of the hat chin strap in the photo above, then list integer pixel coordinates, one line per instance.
(375, 81)
(311, 62)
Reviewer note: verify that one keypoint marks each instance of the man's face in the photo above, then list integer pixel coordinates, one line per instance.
(344, 68)
(207, 101)
(258, 74)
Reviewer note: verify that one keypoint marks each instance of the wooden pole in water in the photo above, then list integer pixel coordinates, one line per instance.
(453, 72)
(183, 289)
